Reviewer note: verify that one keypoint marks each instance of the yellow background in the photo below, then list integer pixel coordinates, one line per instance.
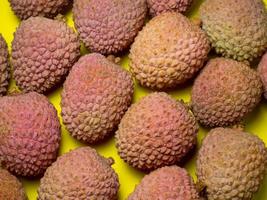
(129, 177)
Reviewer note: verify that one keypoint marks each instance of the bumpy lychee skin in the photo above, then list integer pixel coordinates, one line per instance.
(43, 52)
(32, 8)
(157, 7)
(155, 132)
(231, 164)
(109, 26)
(95, 96)
(236, 28)
(10, 187)
(168, 51)
(166, 183)
(262, 69)
(80, 174)
(225, 92)
(4, 66)
(30, 134)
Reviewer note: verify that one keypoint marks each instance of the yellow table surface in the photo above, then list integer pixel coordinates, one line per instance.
(256, 123)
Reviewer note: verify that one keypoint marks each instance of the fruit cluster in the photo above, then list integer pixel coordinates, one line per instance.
(155, 134)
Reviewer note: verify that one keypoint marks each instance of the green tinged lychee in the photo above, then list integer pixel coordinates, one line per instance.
(155, 132)
(231, 164)
(236, 28)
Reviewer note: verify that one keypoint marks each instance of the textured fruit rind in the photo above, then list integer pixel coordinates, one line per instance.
(157, 7)
(231, 164)
(10, 187)
(166, 183)
(262, 69)
(236, 28)
(4, 66)
(30, 134)
(109, 26)
(155, 132)
(32, 8)
(225, 92)
(168, 51)
(95, 96)
(79, 174)
(43, 52)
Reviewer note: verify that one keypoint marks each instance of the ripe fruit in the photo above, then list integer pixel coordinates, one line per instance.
(109, 26)
(166, 183)
(231, 164)
(262, 69)
(10, 187)
(155, 132)
(95, 96)
(31, 8)
(169, 51)
(225, 92)
(80, 174)
(236, 28)
(30, 133)
(157, 7)
(43, 52)
(4, 66)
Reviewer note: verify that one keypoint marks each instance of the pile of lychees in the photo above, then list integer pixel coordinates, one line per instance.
(155, 134)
